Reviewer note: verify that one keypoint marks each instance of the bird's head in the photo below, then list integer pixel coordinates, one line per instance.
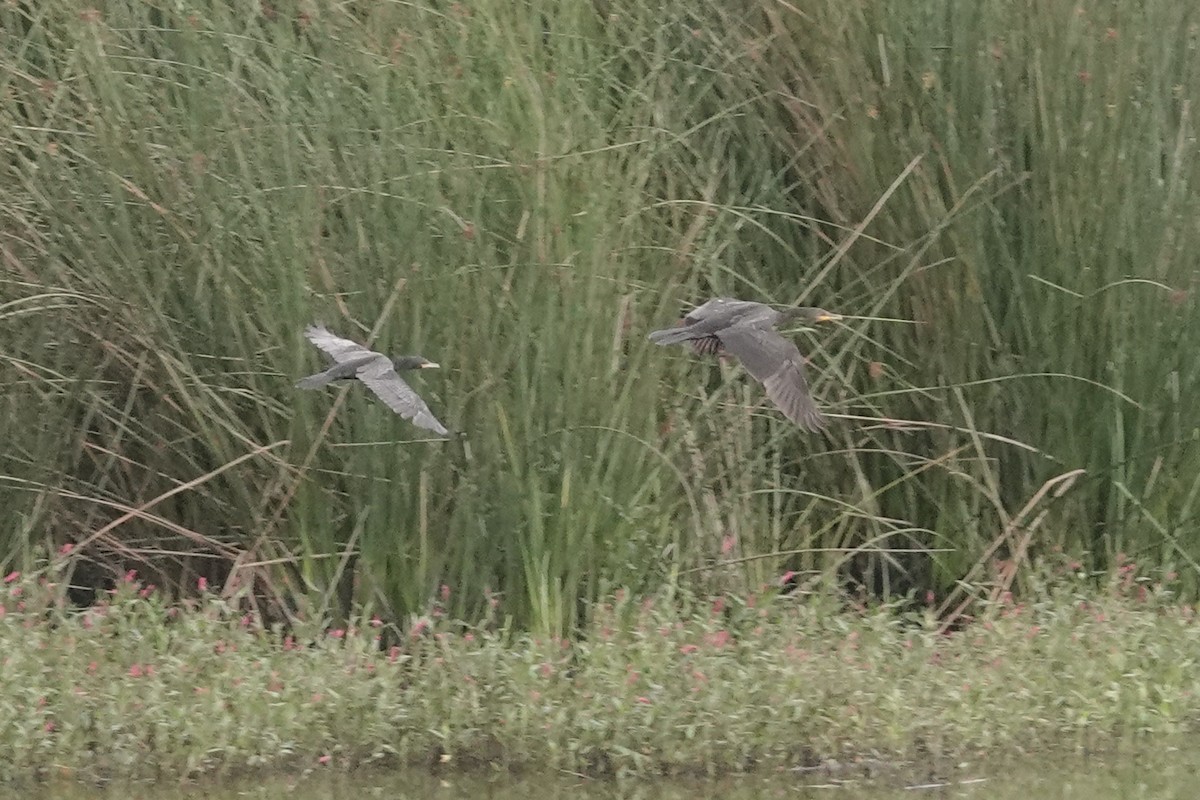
(413, 362)
(809, 315)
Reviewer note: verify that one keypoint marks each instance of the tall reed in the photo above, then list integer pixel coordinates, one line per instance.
(998, 196)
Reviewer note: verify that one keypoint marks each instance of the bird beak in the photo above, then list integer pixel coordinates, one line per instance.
(829, 318)
(430, 365)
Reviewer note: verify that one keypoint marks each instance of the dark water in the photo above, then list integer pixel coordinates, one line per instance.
(1161, 775)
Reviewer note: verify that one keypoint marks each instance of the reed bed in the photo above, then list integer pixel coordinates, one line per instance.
(1000, 198)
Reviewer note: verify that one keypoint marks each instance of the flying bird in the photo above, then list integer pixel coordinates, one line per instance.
(745, 330)
(379, 372)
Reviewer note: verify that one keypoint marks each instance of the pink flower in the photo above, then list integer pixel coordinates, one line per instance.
(445, 593)
(337, 633)
(146, 592)
(468, 637)
(644, 700)
(48, 727)
(727, 545)
(325, 759)
(419, 628)
(12, 576)
(135, 671)
(718, 639)
(130, 576)
(66, 549)
(687, 649)
(376, 621)
(202, 583)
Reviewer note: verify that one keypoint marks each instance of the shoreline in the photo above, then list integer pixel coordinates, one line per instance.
(140, 687)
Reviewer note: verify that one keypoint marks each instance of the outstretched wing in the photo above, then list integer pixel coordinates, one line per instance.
(381, 378)
(778, 365)
(705, 321)
(339, 349)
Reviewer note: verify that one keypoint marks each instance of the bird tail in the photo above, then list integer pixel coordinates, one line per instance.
(313, 381)
(671, 336)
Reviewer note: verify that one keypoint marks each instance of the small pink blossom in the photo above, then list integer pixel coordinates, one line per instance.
(202, 583)
(135, 671)
(130, 576)
(376, 621)
(48, 727)
(325, 759)
(337, 633)
(146, 592)
(66, 549)
(644, 700)
(719, 638)
(419, 628)
(445, 593)
(12, 576)
(727, 544)
(688, 649)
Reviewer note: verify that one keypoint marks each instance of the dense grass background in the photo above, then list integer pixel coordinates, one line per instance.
(1003, 195)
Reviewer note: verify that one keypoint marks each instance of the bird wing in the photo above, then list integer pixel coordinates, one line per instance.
(382, 379)
(721, 310)
(777, 364)
(341, 350)
(706, 320)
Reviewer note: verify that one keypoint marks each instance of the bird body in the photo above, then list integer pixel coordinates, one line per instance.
(745, 329)
(377, 371)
